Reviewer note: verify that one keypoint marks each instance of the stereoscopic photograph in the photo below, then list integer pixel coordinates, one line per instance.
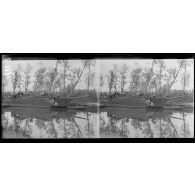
(97, 98)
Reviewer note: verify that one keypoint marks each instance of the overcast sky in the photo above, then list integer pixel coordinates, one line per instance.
(102, 66)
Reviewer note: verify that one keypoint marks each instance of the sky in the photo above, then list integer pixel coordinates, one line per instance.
(102, 66)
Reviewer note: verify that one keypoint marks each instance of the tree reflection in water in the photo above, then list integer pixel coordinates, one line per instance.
(41, 125)
(26, 124)
(153, 125)
(186, 127)
(113, 124)
(51, 131)
(114, 128)
(19, 128)
(89, 127)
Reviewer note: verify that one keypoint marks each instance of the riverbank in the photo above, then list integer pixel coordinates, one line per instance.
(121, 102)
(139, 101)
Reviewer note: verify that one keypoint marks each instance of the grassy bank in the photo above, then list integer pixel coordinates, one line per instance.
(129, 101)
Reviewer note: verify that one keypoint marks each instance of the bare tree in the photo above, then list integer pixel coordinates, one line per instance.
(15, 80)
(135, 79)
(4, 83)
(90, 75)
(181, 64)
(90, 80)
(123, 77)
(5, 62)
(148, 76)
(52, 75)
(153, 84)
(65, 75)
(40, 82)
(19, 72)
(160, 75)
(58, 85)
(185, 76)
(79, 74)
(74, 75)
(169, 75)
(110, 80)
(116, 77)
(27, 74)
(101, 82)
(185, 80)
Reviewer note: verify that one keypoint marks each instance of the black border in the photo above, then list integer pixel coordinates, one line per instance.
(54, 56)
(102, 140)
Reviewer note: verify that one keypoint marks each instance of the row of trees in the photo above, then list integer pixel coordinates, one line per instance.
(62, 77)
(20, 77)
(116, 78)
(158, 78)
(59, 78)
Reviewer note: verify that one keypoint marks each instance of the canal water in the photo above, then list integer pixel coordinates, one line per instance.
(106, 123)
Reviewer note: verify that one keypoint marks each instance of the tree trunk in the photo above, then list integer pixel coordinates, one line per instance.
(64, 81)
(20, 84)
(14, 88)
(88, 79)
(26, 85)
(151, 75)
(160, 79)
(121, 85)
(184, 84)
(64, 85)
(173, 80)
(77, 81)
(52, 81)
(110, 90)
(115, 85)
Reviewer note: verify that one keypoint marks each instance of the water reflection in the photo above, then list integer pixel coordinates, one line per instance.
(36, 123)
(143, 124)
(109, 123)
